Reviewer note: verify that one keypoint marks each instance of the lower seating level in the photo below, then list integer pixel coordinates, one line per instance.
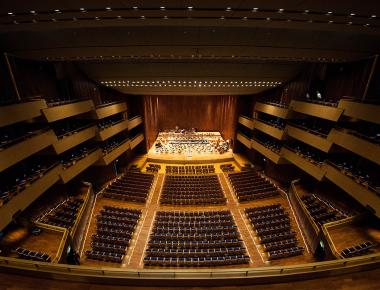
(202, 238)
(273, 228)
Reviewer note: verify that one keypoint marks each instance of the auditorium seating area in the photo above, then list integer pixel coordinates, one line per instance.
(227, 167)
(132, 186)
(362, 171)
(112, 143)
(70, 157)
(54, 102)
(248, 185)
(17, 133)
(316, 98)
(69, 127)
(273, 228)
(364, 130)
(276, 102)
(115, 227)
(272, 120)
(64, 214)
(268, 141)
(321, 211)
(153, 168)
(22, 175)
(358, 250)
(308, 152)
(192, 190)
(110, 121)
(195, 239)
(26, 254)
(314, 125)
(190, 169)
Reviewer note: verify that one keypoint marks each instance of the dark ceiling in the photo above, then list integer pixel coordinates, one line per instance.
(191, 47)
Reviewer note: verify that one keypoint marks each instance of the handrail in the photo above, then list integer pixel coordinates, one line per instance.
(307, 130)
(135, 117)
(62, 243)
(310, 219)
(261, 142)
(81, 211)
(25, 137)
(270, 124)
(77, 130)
(74, 273)
(103, 105)
(274, 104)
(242, 116)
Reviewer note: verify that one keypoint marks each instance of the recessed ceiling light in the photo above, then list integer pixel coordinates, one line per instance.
(162, 7)
(373, 16)
(57, 11)
(10, 13)
(329, 13)
(255, 9)
(108, 8)
(82, 9)
(32, 11)
(306, 11)
(280, 10)
(244, 18)
(190, 7)
(135, 7)
(268, 19)
(228, 9)
(352, 14)
(142, 17)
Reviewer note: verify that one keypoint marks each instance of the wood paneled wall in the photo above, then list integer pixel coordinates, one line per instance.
(206, 113)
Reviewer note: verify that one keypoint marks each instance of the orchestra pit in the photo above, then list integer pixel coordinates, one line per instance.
(189, 144)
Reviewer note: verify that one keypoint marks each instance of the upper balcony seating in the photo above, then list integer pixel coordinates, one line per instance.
(192, 190)
(272, 121)
(364, 130)
(315, 126)
(32, 255)
(64, 214)
(274, 102)
(132, 186)
(195, 239)
(268, 141)
(115, 229)
(71, 156)
(22, 175)
(359, 169)
(105, 103)
(19, 132)
(248, 185)
(358, 250)
(110, 121)
(112, 143)
(69, 127)
(321, 211)
(227, 167)
(153, 168)
(190, 169)
(53, 102)
(313, 155)
(273, 227)
(320, 100)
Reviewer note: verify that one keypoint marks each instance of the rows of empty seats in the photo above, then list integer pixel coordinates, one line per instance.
(133, 186)
(227, 167)
(248, 185)
(192, 190)
(114, 230)
(273, 228)
(320, 211)
(194, 239)
(23, 253)
(358, 250)
(190, 169)
(64, 214)
(153, 168)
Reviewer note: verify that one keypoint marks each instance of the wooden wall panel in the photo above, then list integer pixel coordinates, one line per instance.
(206, 113)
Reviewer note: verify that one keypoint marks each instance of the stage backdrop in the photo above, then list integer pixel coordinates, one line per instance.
(206, 113)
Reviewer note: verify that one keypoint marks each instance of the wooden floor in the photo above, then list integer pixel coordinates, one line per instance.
(47, 242)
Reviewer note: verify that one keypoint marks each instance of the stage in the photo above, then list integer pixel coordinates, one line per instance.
(190, 148)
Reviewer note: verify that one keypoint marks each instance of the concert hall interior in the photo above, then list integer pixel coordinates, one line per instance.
(189, 144)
